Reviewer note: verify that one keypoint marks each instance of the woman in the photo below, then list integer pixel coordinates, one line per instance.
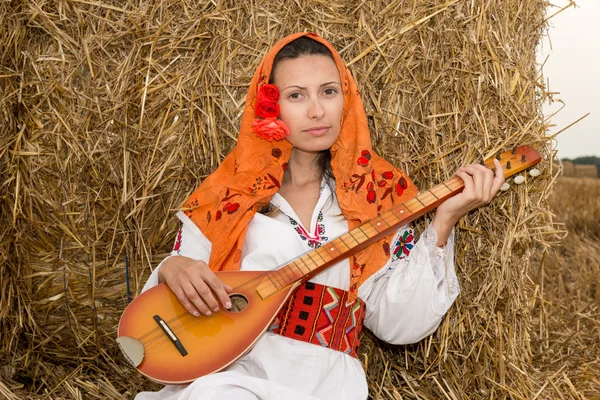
(303, 172)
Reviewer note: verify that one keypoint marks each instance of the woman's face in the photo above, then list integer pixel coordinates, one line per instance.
(311, 101)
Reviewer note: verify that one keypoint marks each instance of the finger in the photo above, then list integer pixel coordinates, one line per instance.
(486, 178)
(479, 180)
(488, 181)
(469, 190)
(206, 294)
(498, 177)
(195, 296)
(186, 303)
(218, 288)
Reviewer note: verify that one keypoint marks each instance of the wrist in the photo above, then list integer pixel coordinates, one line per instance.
(164, 269)
(443, 225)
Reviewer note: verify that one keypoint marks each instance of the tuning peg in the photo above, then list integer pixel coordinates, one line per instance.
(514, 150)
(534, 172)
(505, 186)
(519, 179)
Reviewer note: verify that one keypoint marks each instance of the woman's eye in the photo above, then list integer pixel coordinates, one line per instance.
(330, 91)
(295, 96)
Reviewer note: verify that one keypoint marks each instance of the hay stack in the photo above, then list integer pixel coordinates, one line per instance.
(586, 171)
(114, 111)
(568, 168)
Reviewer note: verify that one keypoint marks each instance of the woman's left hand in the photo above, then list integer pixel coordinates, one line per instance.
(481, 185)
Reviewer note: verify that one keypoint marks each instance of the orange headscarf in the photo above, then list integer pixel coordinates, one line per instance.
(366, 184)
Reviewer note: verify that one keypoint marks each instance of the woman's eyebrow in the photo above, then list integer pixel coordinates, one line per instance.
(303, 88)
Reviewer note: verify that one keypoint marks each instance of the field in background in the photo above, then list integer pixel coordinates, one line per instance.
(567, 309)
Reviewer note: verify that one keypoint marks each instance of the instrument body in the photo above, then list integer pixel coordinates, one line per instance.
(205, 345)
(212, 343)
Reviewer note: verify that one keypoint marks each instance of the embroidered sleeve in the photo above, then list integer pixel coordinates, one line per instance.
(189, 242)
(406, 301)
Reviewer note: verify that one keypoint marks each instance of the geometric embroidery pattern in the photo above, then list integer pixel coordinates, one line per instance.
(319, 314)
(177, 246)
(315, 239)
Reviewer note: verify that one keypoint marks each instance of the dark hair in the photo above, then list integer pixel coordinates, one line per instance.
(305, 46)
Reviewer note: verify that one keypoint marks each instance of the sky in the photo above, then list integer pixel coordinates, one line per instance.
(573, 69)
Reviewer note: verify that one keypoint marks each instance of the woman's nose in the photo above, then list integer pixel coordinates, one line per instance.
(315, 109)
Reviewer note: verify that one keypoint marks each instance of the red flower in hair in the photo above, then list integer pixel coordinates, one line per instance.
(268, 92)
(266, 125)
(270, 129)
(267, 109)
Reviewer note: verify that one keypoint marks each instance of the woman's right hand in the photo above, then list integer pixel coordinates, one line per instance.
(195, 285)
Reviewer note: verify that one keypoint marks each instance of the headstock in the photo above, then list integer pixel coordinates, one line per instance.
(514, 161)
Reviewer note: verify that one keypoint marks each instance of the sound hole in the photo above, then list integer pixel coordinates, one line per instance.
(239, 302)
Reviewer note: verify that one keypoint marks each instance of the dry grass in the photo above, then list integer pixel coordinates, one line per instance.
(113, 111)
(567, 311)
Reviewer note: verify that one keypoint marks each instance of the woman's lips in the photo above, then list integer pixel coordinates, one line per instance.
(317, 131)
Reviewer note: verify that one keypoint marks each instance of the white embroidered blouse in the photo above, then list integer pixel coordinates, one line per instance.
(405, 302)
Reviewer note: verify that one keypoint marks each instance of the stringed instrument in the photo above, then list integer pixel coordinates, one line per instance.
(169, 345)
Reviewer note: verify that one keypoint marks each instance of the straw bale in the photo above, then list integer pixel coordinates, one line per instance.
(586, 171)
(113, 111)
(568, 168)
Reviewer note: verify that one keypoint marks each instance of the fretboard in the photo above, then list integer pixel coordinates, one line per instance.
(343, 246)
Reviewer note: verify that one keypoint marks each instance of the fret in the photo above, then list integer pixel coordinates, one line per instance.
(433, 194)
(414, 205)
(398, 213)
(405, 205)
(295, 263)
(437, 188)
(427, 197)
(375, 226)
(401, 214)
(270, 276)
(341, 239)
(456, 182)
(306, 266)
(367, 229)
(358, 228)
(349, 235)
(282, 277)
(419, 200)
(318, 252)
(379, 220)
(315, 264)
(289, 273)
(390, 218)
(331, 248)
(355, 230)
(444, 183)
